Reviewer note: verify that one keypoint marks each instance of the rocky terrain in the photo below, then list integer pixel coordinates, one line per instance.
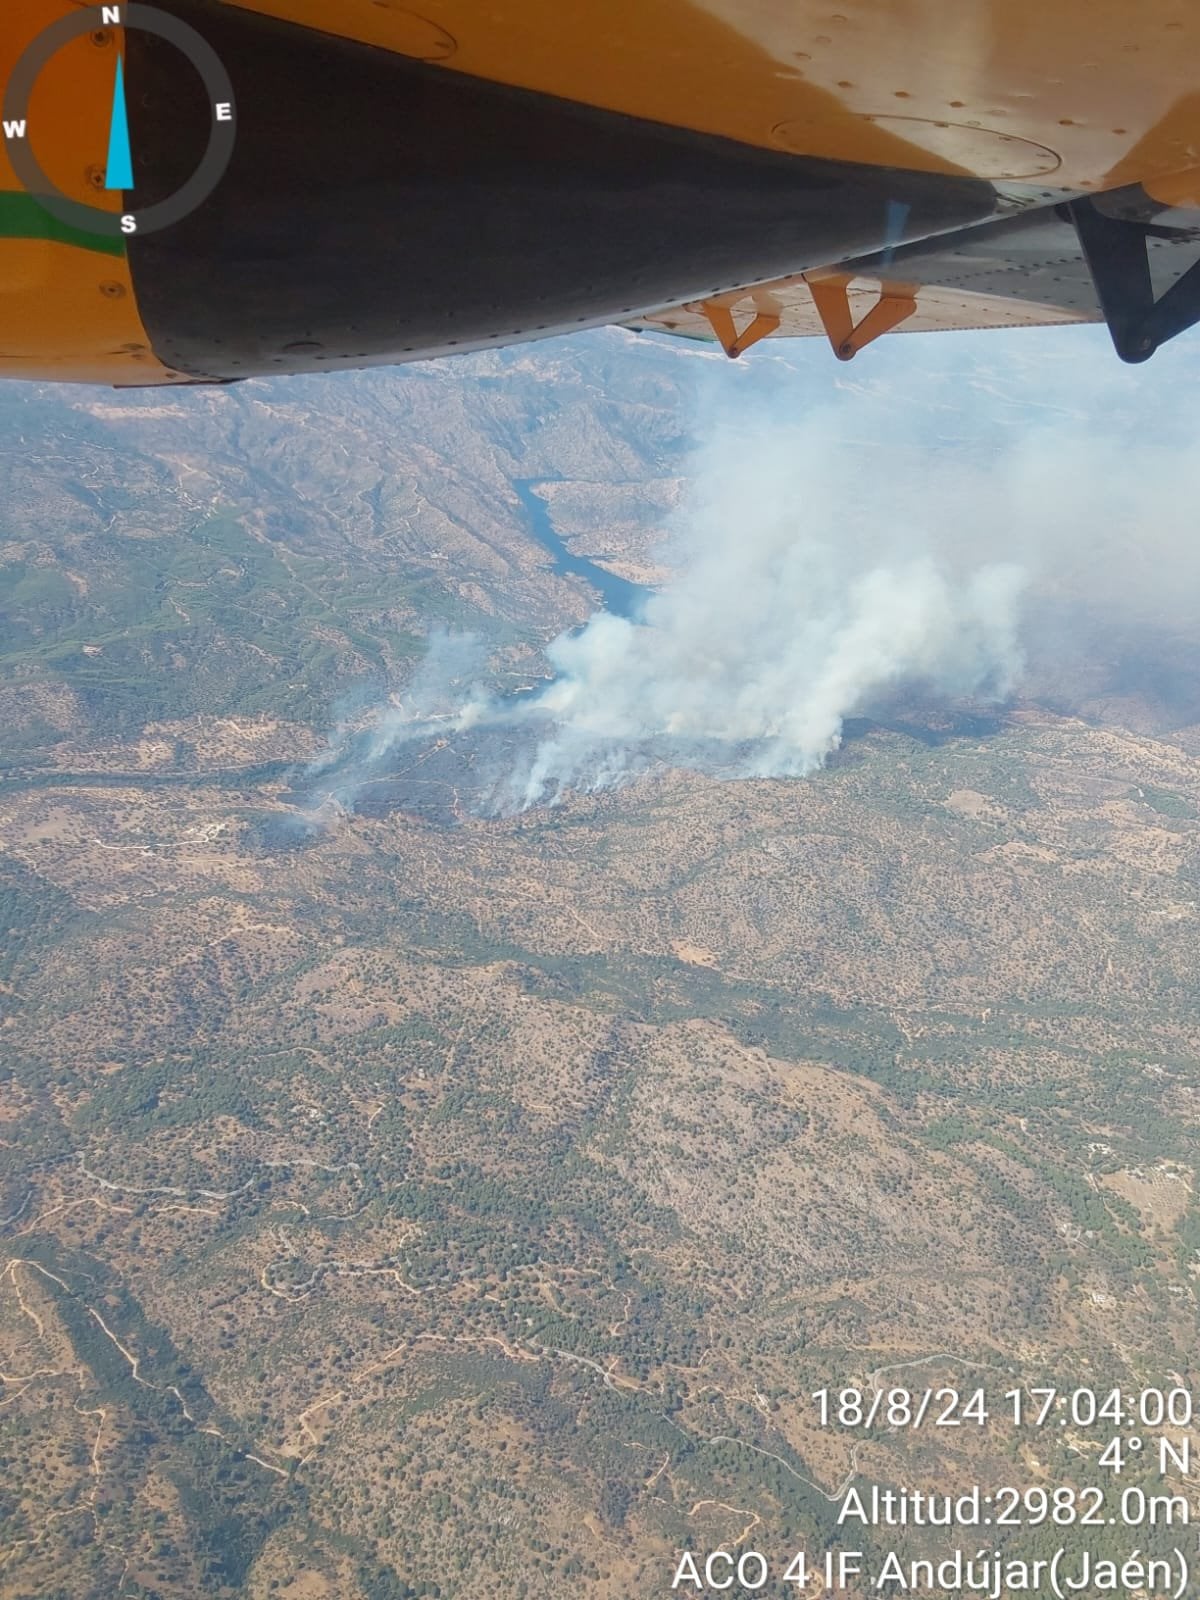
(397, 1201)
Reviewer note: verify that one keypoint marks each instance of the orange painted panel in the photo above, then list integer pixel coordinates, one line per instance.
(1077, 94)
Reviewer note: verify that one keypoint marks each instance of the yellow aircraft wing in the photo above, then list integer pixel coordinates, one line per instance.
(1030, 271)
(201, 190)
(849, 309)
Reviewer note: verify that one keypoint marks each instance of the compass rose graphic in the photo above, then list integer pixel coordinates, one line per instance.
(20, 130)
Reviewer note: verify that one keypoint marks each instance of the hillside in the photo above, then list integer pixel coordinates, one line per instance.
(403, 1201)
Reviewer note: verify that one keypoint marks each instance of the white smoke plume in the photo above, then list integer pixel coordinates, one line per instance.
(967, 504)
(751, 663)
(778, 626)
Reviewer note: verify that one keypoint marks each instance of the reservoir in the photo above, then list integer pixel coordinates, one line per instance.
(618, 595)
(436, 779)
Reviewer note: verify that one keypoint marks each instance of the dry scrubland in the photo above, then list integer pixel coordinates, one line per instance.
(432, 1206)
(421, 1206)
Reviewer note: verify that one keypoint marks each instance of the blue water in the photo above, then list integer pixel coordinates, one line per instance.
(618, 595)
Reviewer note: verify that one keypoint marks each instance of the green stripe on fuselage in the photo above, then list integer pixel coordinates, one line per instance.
(21, 217)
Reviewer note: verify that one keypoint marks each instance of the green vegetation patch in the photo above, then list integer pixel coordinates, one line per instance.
(215, 621)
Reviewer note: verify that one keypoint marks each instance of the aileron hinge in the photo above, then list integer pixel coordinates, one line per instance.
(720, 320)
(831, 296)
(1117, 253)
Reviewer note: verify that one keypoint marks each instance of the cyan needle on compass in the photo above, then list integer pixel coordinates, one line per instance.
(119, 173)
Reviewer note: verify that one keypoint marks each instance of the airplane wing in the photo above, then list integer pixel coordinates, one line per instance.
(1029, 271)
(202, 190)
